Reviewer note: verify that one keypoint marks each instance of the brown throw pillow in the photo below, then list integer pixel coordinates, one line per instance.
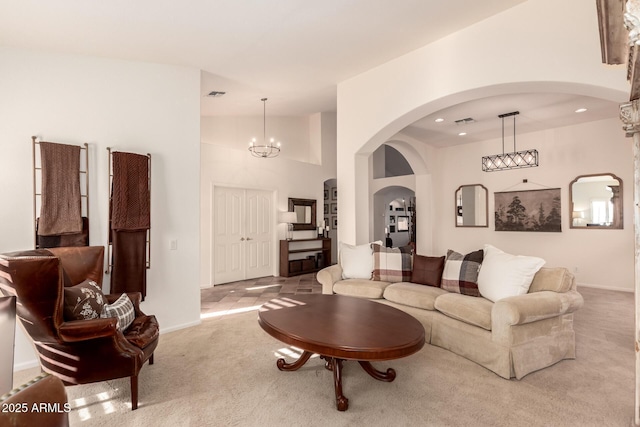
(83, 301)
(427, 270)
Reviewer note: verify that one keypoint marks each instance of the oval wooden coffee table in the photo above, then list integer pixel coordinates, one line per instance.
(341, 328)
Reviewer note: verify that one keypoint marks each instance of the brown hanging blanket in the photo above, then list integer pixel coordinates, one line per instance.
(61, 209)
(129, 262)
(64, 240)
(130, 220)
(130, 193)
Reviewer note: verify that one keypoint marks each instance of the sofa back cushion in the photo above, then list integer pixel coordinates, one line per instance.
(391, 264)
(427, 270)
(557, 279)
(460, 273)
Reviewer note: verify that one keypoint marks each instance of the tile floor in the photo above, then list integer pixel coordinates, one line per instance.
(247, 295)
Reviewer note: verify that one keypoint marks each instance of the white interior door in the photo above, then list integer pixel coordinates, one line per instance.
(242, 234)
(259, 234)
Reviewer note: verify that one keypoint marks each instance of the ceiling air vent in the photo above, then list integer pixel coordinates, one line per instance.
(216, 94)
(465, 121)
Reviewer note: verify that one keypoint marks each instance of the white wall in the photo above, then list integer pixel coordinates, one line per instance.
(476, 62)
(507, 53)
(129, 106)
(225, 161)
(294, 133)
(603, 258)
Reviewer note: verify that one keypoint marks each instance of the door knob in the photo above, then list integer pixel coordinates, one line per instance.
(249, 238)
(242, 239)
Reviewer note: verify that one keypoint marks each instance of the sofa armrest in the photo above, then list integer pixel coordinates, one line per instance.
(81, 330)
(328, 276)
(535, 306)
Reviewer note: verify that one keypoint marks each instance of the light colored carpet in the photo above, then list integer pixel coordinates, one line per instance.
(223, 373)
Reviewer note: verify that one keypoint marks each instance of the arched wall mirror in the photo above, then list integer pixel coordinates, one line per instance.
(305, 210)
(472, 206)
(596, 202)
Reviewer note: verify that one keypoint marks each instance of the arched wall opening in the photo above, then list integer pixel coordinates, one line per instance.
(378, 199)
(393, 210)
(424, 158)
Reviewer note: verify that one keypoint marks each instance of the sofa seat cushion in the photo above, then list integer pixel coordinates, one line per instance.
(413, 295)
(360, 288)
(472, 310)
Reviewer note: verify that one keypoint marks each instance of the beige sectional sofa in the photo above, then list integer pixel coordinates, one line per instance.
(512, 337)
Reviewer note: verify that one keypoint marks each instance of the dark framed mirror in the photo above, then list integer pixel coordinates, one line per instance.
(596, 202)
(305, 210)
(472, 208)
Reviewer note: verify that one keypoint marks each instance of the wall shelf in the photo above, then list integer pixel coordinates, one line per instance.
(302, 256)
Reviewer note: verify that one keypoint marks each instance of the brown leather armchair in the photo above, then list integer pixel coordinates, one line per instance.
(42, 401)
(76, 351)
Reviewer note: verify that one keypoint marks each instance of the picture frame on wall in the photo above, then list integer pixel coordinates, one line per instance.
(326, 194)
(334, 208)
(530, 210)
(392, 229)
(334, 222)
(334, 193)
(403, 223)
(326, 208)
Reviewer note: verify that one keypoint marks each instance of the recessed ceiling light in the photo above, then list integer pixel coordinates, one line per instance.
(439, 120)
(581, 110)
(462, 134)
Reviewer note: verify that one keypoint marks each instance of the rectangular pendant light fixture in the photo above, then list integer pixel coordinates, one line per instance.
(513, 160)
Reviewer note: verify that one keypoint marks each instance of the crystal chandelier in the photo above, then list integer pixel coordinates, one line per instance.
(264, 150)
(513, 160)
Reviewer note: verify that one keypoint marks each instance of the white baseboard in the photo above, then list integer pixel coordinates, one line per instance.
(26, 365)
(608, 288)
(182, 326)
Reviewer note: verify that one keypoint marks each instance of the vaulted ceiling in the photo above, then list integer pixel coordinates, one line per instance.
(292, 52)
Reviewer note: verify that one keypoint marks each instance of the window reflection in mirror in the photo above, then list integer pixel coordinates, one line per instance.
(303, 214)
(305, 210)
(471, 206)
(596, 202)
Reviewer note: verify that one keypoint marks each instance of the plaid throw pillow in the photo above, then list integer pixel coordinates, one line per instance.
(460, 273)
(122, 309)
(391, 264)
(83, 301)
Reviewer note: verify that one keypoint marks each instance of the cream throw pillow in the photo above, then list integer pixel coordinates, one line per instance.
(504, 275)
(356, 261)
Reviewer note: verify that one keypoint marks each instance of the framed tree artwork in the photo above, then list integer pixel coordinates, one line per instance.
(531, 210)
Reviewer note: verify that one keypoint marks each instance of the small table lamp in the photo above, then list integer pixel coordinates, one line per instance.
(288, 218)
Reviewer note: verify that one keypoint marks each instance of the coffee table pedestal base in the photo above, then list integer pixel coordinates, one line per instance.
(334, 364)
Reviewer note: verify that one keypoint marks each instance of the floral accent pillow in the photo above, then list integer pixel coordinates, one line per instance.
(83, 301)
